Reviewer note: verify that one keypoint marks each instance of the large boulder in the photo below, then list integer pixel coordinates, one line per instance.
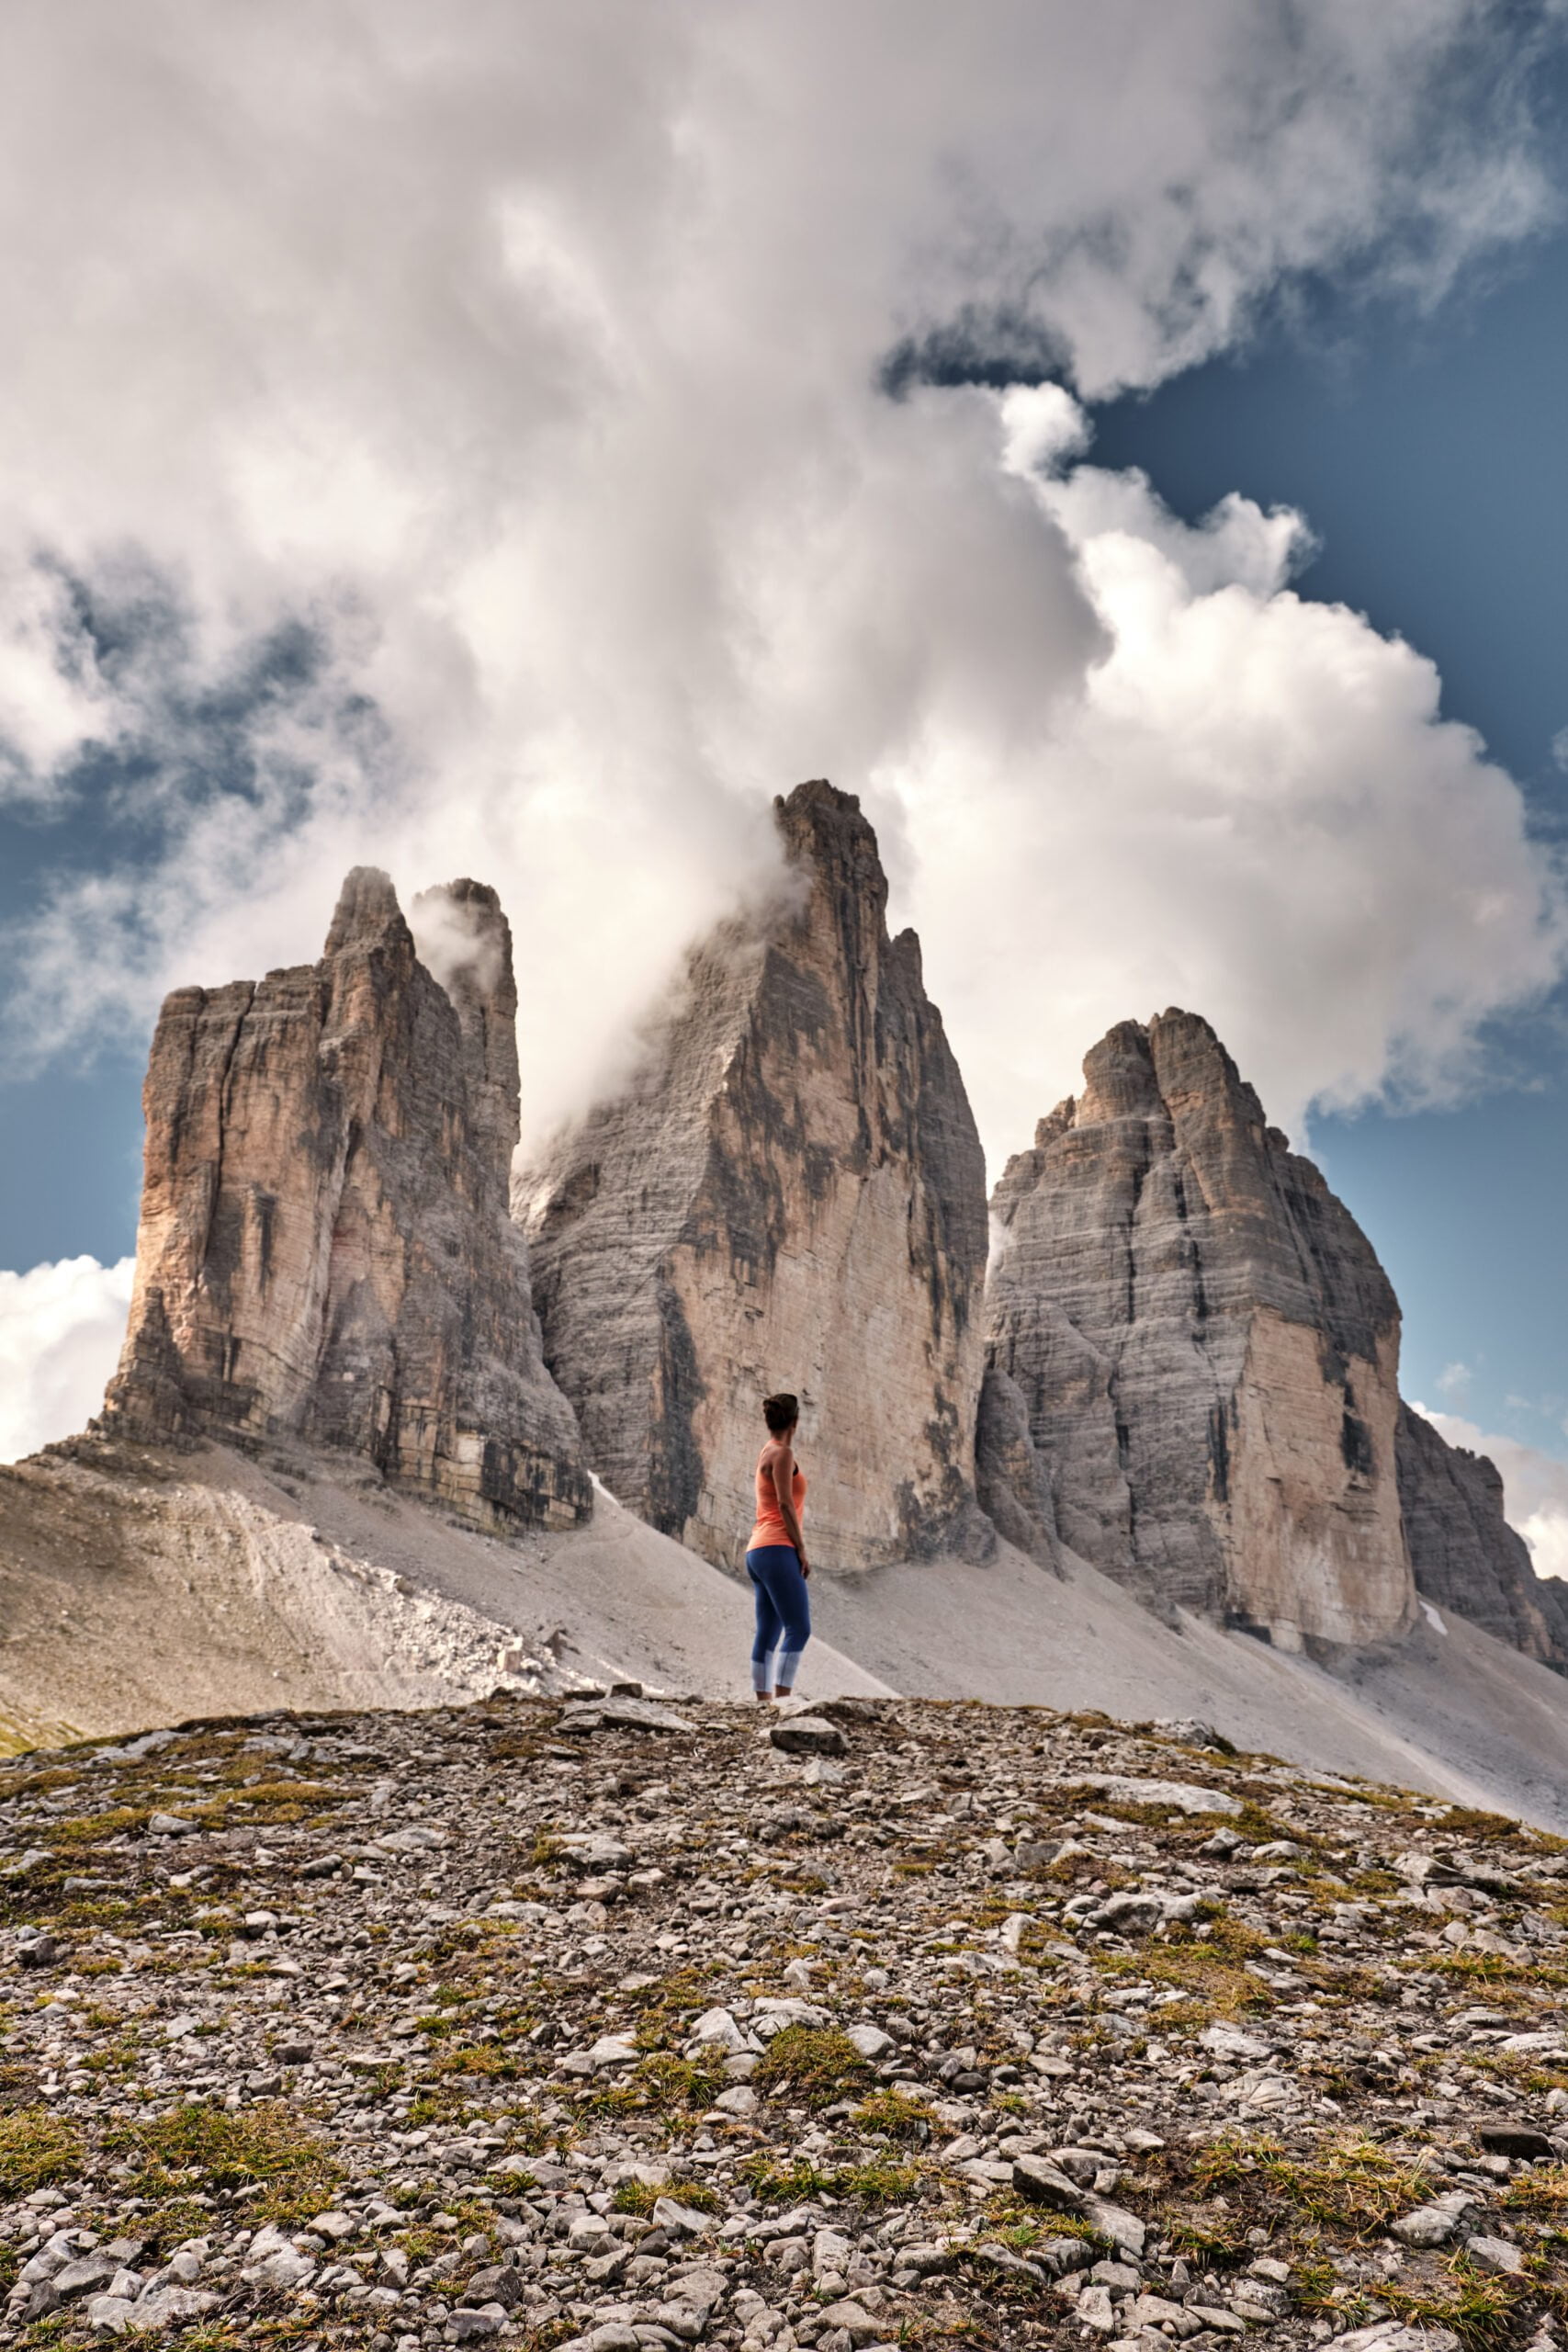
(325, 1248)
(790, 1193)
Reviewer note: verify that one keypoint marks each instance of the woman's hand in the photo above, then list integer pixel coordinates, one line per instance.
(805, 1564)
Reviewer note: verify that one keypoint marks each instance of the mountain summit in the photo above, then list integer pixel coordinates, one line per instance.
(324, 1248)
(790, 1194)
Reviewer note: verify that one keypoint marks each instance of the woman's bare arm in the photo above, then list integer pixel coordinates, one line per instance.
(783, 1469)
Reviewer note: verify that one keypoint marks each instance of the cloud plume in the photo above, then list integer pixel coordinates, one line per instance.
(60, 1327)
(519, 440)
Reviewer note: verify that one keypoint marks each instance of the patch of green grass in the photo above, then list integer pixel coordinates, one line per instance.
(878, 2183)
(1021, 2226)
(1479, 2307)
(811, 2065)
(896, 2118)
(641, 2197)
(214, 2149)
(1348, 2187)
(36, 2148)
(661, 2084)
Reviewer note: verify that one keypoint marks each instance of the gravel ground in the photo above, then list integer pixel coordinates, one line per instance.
(613, 2023)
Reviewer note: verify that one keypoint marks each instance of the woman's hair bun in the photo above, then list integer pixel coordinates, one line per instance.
(780, 1412)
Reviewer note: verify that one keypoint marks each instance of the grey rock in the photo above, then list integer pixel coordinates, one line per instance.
(789, 1192)
(1464, 1554)
(110, 2314)
(1434, 2223)
(79, 2277)
(621, 1714)
(1206, 1347)
(164, 2308)
(324, 1246)
(808, 1736)
(1517, 2140)
(1181, 1796)
(1495, 2254)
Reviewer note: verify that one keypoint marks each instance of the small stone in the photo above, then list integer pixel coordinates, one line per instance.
(669, 2214)
(171, 1825)
(1433, 2224)
(1495, 2254)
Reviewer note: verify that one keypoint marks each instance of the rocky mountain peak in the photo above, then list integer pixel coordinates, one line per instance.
(368, 916)
(790, 1190)
(324, 1248)
(1205, 1346)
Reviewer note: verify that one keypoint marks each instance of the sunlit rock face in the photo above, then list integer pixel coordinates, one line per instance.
(1206, 1348)
(790, 1194)
(1464, 1554)
(325, 1248)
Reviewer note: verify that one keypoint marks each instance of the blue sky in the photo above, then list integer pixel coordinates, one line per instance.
(501, 472)
(1431, 459)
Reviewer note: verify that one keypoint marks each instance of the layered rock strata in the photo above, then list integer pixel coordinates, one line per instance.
(1464, 1554)
(1205, 1346)
(791, 1194)
(325, 1248)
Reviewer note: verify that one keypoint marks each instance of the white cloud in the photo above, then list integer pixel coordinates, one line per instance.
(1535, 1488)
(531, 355)
(61, 1327)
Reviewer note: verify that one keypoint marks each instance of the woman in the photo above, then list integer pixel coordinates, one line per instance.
(775, 1556)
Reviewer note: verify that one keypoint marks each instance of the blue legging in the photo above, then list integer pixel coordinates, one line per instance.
(783, 1610)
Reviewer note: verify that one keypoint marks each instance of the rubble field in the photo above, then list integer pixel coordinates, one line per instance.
(619, 2022)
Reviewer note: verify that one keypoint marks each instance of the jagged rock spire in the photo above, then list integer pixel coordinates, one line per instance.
(1206, 1347)
(324, 1248)
(791, 1194)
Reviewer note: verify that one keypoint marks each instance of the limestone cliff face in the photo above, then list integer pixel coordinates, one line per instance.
(325, 1247)
(790, 1195)
(1206, 1348)
(1464, 1554)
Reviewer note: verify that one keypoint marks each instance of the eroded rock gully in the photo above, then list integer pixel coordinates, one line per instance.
(790, 1195)
(611, 2025)
(325, 1248)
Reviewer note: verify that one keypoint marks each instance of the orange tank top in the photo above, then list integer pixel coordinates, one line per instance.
(769, 1529)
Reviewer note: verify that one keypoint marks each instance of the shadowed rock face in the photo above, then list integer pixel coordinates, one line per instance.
(790, 1195)
(325, 1248)
(1464, 1554)
(1206, 1348)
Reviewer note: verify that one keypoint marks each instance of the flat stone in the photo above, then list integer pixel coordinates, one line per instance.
(1177, 1796)
(1495, 2254)
(808, 1736)
(621, 1714)
(1515, 2140)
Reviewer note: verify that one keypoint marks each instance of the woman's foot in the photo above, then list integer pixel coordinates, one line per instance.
(763, 1698)
(784, 1690)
